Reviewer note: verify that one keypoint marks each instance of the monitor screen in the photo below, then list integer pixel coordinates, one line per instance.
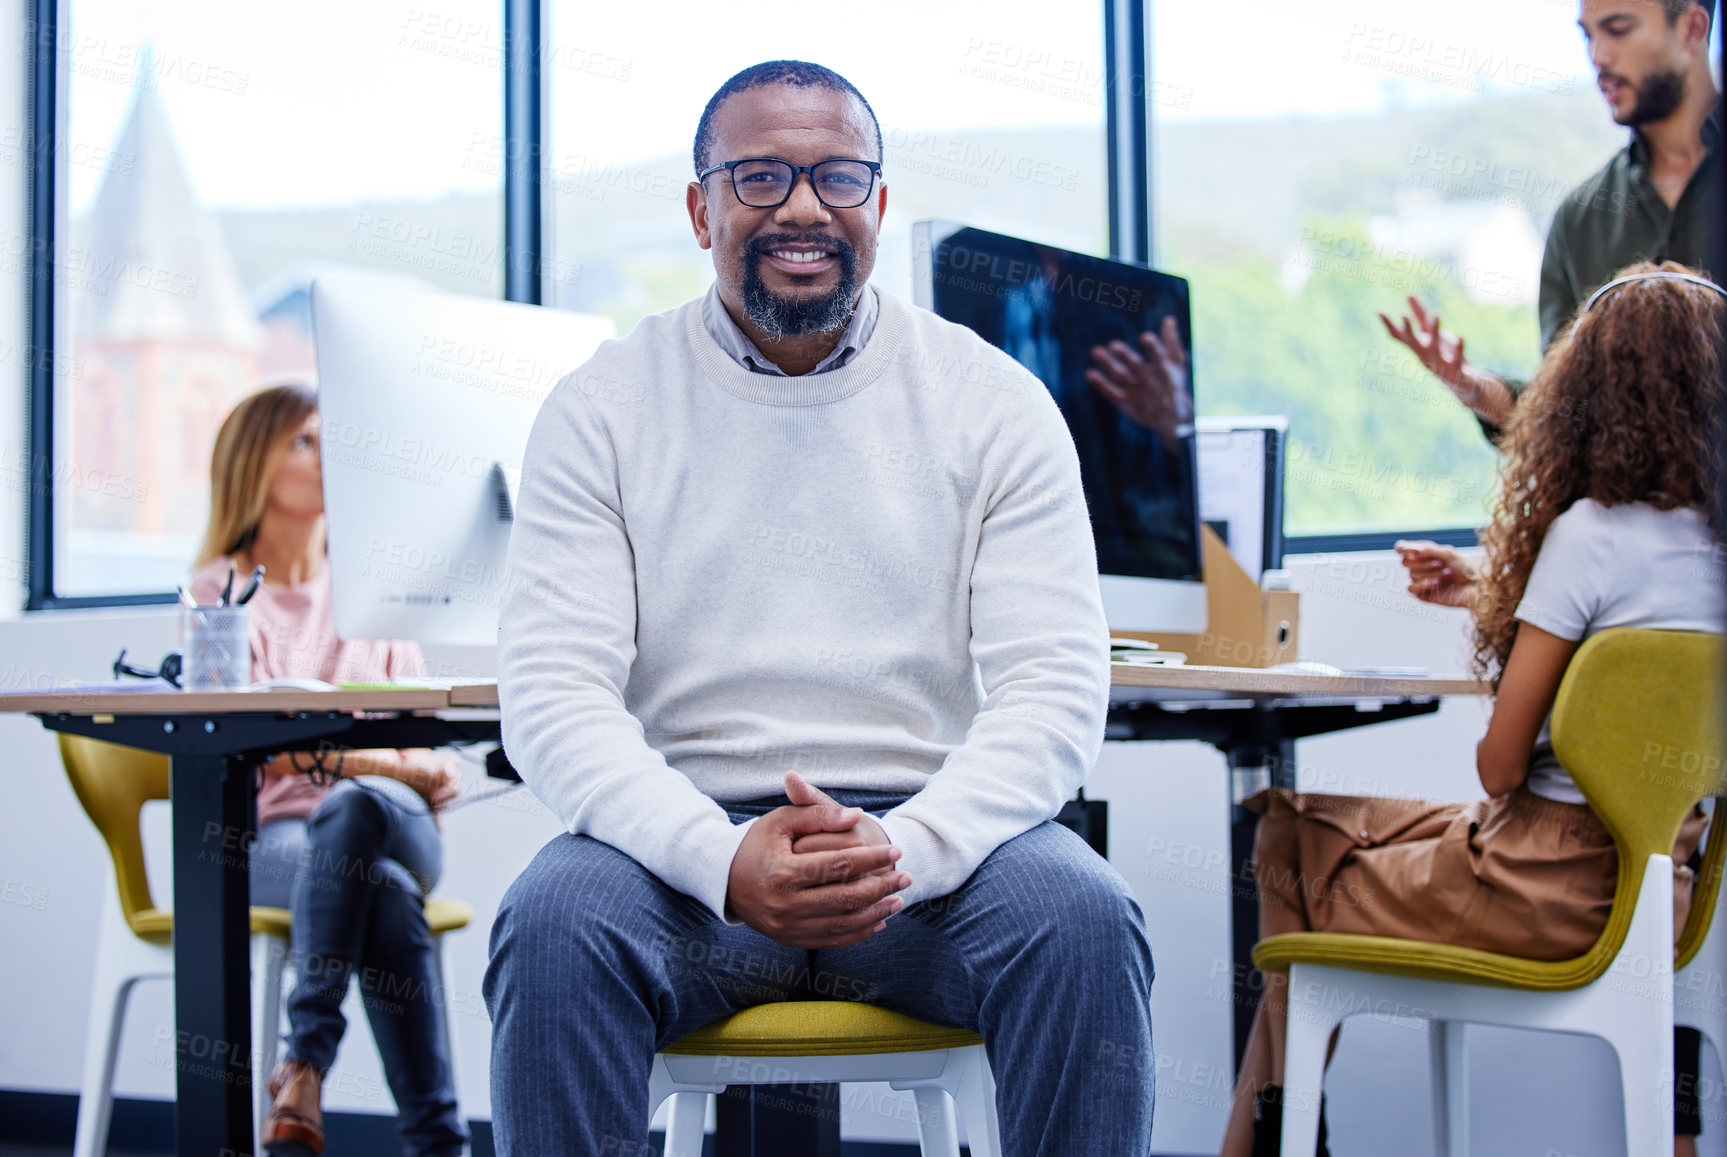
(426, 400)
(1057, 313)
(1241, 487)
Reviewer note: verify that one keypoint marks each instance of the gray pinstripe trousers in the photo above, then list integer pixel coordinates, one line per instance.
(596, 964)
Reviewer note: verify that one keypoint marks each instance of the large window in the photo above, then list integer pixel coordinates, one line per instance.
(991, 112)
(213, 160)
(1310, 171)
(1326, 163)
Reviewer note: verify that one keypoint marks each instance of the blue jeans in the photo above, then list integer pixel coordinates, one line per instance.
(596, 964)
(355, 875)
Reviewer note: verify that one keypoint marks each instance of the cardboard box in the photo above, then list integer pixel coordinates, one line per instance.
(1245, 626)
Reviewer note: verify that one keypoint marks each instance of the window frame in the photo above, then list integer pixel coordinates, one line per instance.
(1373, 540)
(1130, 123)
(45, 213)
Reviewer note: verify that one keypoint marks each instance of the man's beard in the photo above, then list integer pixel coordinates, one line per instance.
(782, 317)
(1657, 97)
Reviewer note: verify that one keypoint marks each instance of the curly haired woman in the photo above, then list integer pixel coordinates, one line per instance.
(1600, 522)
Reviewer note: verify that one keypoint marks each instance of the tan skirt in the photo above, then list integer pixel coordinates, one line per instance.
(1518, 873)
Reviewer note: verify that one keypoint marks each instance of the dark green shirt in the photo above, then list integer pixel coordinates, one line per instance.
(1617, 217)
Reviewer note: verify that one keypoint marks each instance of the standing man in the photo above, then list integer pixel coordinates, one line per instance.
(1654, 201)
(799, 524)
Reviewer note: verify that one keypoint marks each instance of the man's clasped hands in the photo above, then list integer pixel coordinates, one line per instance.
(815, 874)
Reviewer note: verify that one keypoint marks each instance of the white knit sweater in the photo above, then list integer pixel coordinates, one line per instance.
(881, 576)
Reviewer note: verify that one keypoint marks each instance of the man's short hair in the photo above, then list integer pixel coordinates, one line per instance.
(800, 73)
(1677, 8)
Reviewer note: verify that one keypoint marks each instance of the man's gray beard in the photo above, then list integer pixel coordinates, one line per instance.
(779, 318)
(1657, 97)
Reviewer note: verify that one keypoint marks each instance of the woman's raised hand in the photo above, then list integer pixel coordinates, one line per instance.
(1437, 574)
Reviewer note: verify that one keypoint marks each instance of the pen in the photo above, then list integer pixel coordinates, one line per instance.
(186, 599)
(251, 587)
(227, 588)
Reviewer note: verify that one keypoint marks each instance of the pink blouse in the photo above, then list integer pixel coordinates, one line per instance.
(294, 637)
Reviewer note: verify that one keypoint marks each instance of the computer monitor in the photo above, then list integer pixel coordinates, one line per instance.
(1049, 309)
(425, 402)
(1241, 487)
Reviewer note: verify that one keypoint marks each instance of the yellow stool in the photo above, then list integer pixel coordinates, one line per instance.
(1628, 699)
(135, 938)
(829, 1042)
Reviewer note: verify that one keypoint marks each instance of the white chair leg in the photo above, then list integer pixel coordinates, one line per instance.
(447, 1017)
(686, 1122)
(1307, 1039)
(1448, 1053)
(937, 1127)
(269, 956)
(122, 960)
(1639, 1025)
(1645, 1061)
(1439, 1087)
(101, 1052)
(976, 1098)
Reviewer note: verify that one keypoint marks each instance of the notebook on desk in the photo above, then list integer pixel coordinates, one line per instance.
(1141, 653)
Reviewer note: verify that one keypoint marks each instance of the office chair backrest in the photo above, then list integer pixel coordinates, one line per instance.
(1637, 724)
(113, 783)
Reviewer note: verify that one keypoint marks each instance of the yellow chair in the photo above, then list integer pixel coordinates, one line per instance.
(828, 1042)
(135, 937)
(1636, 723)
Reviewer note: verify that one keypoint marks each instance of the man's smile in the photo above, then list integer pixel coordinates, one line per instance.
(801, 263)
(799, 258)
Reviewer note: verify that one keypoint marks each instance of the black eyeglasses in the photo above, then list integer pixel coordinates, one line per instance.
(766, 182)
(168, 671)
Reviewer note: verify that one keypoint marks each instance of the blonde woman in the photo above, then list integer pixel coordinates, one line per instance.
(351, 857)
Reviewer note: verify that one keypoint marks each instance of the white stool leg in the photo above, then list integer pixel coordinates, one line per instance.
(269, 955)
(1306, 1041)
(976, 1098)
(686, 1120)
(937, 1127)
(1449, 1057)
(660, 1085)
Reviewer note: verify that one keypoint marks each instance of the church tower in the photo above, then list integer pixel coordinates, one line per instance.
(164, 338)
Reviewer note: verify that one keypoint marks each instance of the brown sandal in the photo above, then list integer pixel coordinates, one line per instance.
(288, 1132)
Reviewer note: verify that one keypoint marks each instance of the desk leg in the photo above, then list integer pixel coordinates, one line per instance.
(1251, 767)
(212, 1003)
